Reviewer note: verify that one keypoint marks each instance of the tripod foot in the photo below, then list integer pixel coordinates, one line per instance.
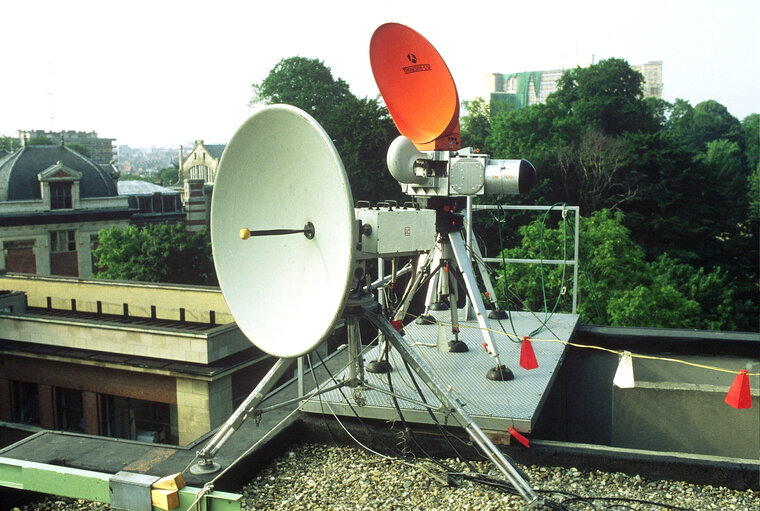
(378, 367)
(426, 319)
(457, 347)
(500, 373)
(439, 306)
(497, 314)
(205, 467)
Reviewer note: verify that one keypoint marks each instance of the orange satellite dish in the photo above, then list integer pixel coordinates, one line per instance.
(417, 87)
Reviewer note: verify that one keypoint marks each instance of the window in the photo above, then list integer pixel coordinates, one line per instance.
(136, 419)
(70, 409)
(169, 203)
(62, 241)
(60, 195)
(26, 402)
(146, 204)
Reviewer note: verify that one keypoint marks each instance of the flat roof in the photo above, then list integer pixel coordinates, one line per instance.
(132, 322)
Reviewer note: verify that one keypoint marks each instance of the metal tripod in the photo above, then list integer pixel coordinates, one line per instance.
(445, 265)
(365, 307)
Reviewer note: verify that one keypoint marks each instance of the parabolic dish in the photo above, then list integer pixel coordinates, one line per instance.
(280, 171)
(415, 83)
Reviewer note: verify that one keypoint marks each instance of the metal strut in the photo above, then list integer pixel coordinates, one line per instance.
(445, 396)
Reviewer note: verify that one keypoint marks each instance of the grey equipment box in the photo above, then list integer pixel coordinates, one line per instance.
(395, 232)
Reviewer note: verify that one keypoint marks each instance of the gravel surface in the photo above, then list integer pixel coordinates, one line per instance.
(319, 477)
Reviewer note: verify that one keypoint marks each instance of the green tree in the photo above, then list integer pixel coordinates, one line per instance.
(39, 141)
(607, 96)
(80, 149)
(163, 252)
(617, 285)
(307, 84)
(751, 132)
(712, 121)
(476, 124)
(361, 128)
(9, 144)
(695, 126)
(167, 176)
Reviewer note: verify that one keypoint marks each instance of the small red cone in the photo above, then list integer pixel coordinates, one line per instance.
(397, 324)
(527, 355)
(517, 436)
(738, 395)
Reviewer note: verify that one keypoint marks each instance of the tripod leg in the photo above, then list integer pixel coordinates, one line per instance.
(206, 464)
(496, 312)
(448, 399)
(422, 268)
(455, 345)
(426, 318)
(457, 247)
(500, 372)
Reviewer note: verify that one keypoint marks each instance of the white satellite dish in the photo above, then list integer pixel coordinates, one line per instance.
(281, 174)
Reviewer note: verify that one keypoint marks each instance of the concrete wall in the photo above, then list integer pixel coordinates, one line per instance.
(681, 408)
(673, 407)
(141, 341)
(202, 406)
(197, 301)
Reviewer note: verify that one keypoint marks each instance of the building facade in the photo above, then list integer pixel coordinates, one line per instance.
(53, 203)
(197, 172)
(531, 87)
(151, 362)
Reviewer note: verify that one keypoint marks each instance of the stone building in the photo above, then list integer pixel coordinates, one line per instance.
(531, 87)
(201, 163)
(197, 172)
(151, 202)
(151, 362)
(53, 202)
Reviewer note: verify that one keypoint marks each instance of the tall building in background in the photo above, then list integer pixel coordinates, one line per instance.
(531, 87)
(102, 150)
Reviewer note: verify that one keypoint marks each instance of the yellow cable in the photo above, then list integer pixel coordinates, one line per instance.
(588, 346)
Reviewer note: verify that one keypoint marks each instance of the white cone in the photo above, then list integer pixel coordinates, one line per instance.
(624, 374)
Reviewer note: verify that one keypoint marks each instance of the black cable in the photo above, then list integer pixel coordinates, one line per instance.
(321, 404)
(440, 428)
(356, 414)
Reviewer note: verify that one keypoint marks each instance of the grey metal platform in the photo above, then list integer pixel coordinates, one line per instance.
(494, 405)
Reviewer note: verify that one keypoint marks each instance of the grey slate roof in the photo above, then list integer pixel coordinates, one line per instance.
(215, 150)
(18, 173)
(136, 187)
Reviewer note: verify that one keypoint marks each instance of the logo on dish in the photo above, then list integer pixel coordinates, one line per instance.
(414, 68)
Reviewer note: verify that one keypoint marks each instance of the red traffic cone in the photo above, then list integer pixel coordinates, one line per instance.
(517, 436)
(397, 324)
(738, 395)
(527, 355)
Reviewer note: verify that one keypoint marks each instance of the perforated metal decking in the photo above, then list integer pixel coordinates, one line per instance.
(495, 405)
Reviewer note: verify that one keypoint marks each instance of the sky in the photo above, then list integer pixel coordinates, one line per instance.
(165, 73)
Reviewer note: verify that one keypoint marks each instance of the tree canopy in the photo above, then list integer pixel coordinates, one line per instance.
(360, 128)
(617, 284)
(668, 191)
(683, 178)
(163, 252)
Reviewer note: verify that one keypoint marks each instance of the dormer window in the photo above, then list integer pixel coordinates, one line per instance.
(60, 187)
(60, 195)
